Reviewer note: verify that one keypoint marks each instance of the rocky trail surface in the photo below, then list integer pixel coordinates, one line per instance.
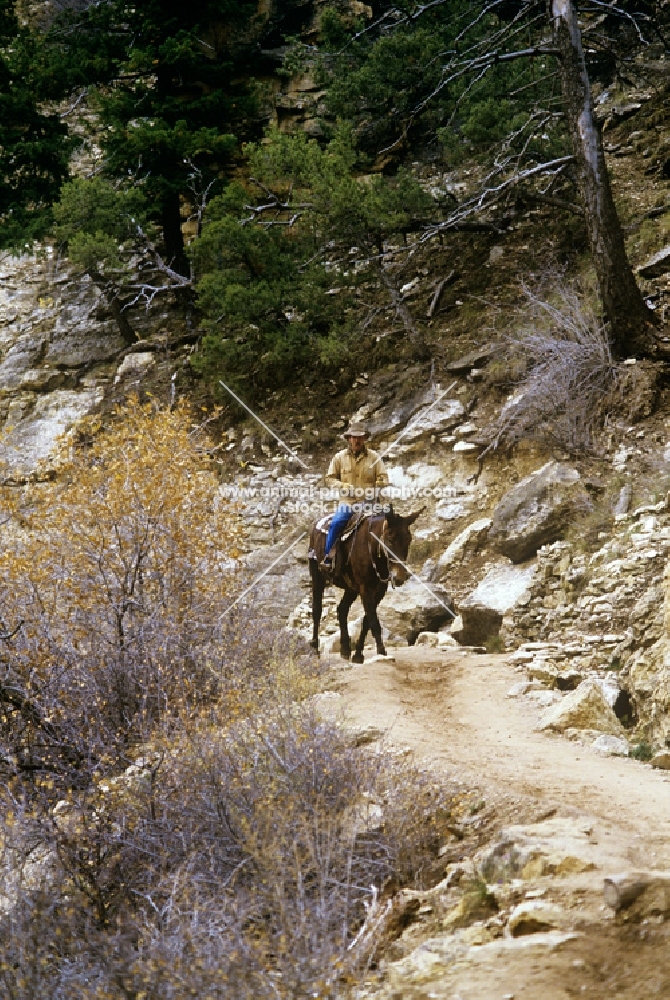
(561, 818)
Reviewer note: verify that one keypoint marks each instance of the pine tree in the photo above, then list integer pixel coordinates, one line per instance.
(34, 146)
(278, 264)
(501, 77)
(173, 94)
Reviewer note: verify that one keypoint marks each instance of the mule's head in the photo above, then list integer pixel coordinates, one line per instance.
(396, 537)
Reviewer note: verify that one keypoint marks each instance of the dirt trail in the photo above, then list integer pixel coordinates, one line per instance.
(452, 710)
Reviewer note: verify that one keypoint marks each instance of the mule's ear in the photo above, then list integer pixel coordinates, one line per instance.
(411, 518)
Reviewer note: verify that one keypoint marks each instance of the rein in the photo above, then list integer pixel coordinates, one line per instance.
(380, 552)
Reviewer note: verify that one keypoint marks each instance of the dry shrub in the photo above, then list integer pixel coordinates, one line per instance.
(569, 374)
(237, 862)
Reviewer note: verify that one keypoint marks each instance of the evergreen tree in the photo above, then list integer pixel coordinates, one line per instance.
(278, 264)
(170, 93)
(34, 146)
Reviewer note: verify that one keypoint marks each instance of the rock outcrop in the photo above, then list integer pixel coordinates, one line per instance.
(536, 511)
(59, 348)
(482, 611)
(555, 846)
(424, 414)
(27, 447)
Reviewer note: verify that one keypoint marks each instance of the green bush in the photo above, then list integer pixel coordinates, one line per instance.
(279, 261)
(641, 751)
(97, 223)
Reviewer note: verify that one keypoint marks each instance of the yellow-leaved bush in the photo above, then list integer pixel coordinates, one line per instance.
(121, 573)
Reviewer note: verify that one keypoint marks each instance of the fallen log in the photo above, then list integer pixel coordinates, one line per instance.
(438, 293)
(620, 891)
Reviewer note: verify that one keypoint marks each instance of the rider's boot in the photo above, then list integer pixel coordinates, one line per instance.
(328, 560)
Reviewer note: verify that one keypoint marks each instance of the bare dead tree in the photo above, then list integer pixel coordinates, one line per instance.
(629, 318)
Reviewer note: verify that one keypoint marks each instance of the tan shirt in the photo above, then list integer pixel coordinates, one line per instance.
(363, 471)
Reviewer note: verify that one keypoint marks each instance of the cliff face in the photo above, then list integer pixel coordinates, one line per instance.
(58, 349)
(61, 357)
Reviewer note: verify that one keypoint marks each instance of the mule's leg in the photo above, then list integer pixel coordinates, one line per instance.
(317, 606)
(370, 606)
(343, 607)
(358, 654)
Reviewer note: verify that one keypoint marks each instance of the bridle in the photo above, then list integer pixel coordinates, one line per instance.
(383, 552)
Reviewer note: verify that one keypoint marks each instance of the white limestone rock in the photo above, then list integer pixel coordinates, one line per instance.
(482, 610)
(583, 708)
(469, 541)
(29, 446)
(536, 512)
(413, 608)
(611, 746)
(558, 846)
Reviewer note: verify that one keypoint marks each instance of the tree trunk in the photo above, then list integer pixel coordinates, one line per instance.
(172, 235)
(111, 295)
(629, 318)
(402, 312)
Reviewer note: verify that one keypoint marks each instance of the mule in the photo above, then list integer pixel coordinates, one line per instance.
(372, 556)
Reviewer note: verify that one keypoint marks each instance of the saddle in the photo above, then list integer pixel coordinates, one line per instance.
(356, 519)
(339, 562)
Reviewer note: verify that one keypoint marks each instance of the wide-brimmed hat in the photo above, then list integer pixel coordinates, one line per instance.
(356, 429)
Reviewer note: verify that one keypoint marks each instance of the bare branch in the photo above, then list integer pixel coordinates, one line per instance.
(435, 301)
(401, 309)
(275, 204)
(75, 104)
(620, 12)
(6, 636)
(492, 193)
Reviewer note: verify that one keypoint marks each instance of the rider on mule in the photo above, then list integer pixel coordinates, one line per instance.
(358, 473)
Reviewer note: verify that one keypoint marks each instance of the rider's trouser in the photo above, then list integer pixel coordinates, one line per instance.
(337, 525)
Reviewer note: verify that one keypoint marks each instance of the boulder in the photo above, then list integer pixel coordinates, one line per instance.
(583, 708)
(435, 418)
(428, 639)
(421, 415)
(611, 746)
(638, 895)
(537, 511)
(482, 611)
(467, 542)
(436, 640)
(414, 608)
